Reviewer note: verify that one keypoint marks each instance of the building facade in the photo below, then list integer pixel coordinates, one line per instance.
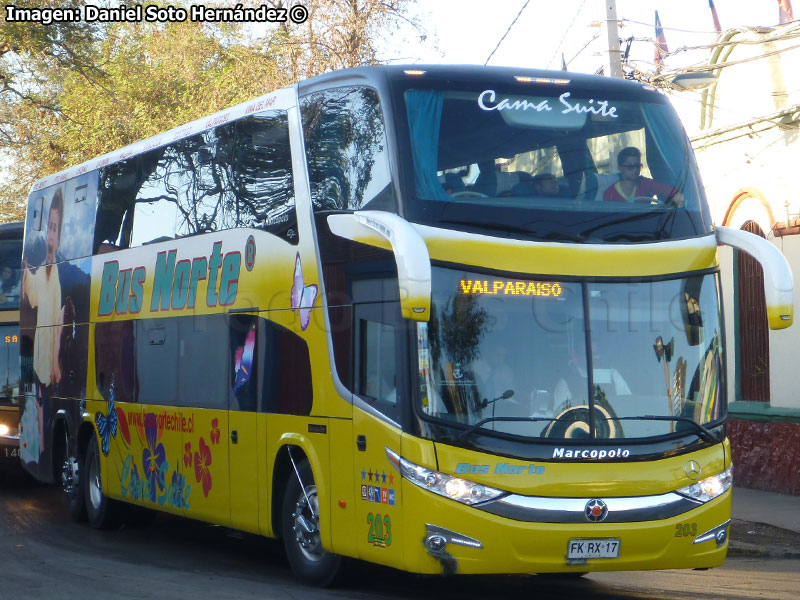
(745, 130)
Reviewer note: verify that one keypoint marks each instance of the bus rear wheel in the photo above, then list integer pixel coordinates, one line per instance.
(101, 511)
(71, 482)
(310, 562)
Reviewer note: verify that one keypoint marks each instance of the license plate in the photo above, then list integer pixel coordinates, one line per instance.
(593, 548)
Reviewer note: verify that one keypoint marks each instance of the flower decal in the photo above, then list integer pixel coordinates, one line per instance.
(214, 431)
(202, 462)
(153, 457)
(187, 455)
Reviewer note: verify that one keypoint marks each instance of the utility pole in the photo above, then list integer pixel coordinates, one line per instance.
(613, 64)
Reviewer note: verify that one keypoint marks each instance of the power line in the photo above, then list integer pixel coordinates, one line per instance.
(563, 37)
(585, 46)
(669, 28)
(507, 31)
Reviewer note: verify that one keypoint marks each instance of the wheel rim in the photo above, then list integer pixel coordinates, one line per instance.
(305, 524)
(95, 486)
(70, 479)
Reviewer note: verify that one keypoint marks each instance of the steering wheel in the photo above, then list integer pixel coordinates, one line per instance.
(468, 194)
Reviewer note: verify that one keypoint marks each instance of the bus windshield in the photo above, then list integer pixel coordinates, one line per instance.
(552, 163)
(10, 274)
(522, 356)
(9, 364)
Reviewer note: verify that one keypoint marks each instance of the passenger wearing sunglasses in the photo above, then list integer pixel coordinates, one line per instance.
(633, 187)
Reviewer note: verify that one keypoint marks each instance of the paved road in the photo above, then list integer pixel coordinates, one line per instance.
(44, 554)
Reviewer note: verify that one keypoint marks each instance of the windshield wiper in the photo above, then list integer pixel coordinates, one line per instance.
(564, 235)
(491, 225)
(702, 431)
(483, 422)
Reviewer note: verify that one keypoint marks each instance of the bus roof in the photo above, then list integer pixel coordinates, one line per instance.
(377, 76)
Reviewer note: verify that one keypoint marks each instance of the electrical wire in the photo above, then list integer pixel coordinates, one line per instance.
(585, 46)
(508, 30)
(564, 36)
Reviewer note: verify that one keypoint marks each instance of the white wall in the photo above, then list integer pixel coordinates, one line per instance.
(783, 344)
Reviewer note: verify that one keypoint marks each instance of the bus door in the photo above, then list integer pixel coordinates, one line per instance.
(379, 355)
(243, 420)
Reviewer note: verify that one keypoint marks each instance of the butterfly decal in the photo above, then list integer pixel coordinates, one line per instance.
(303, 296)
(107, 424)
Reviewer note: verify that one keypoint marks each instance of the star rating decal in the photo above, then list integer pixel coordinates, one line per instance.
(377, 493)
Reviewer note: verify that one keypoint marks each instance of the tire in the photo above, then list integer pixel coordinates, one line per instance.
(70, 471)
(310, 562)
(102, 512)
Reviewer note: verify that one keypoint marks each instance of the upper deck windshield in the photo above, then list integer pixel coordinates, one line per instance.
(552, 162)
(509, 356)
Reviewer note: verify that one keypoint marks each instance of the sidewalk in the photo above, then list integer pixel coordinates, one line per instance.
(765, 524)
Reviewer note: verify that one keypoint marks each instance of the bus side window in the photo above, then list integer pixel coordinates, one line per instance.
(287, 386)
(114, 349)
(80, 202)
(185, 188)
(116, 191)
(376, 355)
(202, 382)
(346, 150)
(156, 360)
(243, 361)
(263, 174)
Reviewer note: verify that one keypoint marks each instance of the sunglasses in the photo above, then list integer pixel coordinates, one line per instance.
(632, 166)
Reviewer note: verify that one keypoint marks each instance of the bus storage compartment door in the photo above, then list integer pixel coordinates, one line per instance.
(374, 227)
(778, 282)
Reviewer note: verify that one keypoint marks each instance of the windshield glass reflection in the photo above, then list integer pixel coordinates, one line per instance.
(559, 163)
(509, 355)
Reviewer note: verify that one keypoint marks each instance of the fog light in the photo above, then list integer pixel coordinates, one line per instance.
(436, 543)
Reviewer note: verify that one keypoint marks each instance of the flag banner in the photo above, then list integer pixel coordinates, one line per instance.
(714, 16)
(661, 42)
(785, 14)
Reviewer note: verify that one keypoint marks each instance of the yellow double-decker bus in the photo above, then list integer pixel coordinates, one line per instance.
(446, 319)
(10, 257)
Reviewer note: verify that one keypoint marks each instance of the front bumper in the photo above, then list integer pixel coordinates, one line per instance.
(505, 545)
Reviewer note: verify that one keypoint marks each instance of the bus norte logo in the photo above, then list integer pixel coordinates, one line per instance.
(175, 282)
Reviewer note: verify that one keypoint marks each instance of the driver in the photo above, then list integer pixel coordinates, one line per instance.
(632, 186)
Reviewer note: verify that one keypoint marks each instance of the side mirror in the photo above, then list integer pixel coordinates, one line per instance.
(778, 281)
(376, 227)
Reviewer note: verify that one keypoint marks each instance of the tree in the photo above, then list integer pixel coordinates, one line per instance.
(73, 91)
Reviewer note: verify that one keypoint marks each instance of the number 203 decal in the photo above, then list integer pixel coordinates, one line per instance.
(686, 530)
(380, 530)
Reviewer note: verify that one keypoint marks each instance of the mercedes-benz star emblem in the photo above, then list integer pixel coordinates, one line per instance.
(596, 510)
(693, 470)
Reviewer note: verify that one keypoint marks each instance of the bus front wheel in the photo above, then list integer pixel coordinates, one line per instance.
(100, 510)
(310, 562)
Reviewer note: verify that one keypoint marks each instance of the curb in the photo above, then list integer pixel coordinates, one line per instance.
(743, 549)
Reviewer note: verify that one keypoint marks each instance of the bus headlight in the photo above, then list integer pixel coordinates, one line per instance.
(455, 488)
(710, 487)
(4, 429)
